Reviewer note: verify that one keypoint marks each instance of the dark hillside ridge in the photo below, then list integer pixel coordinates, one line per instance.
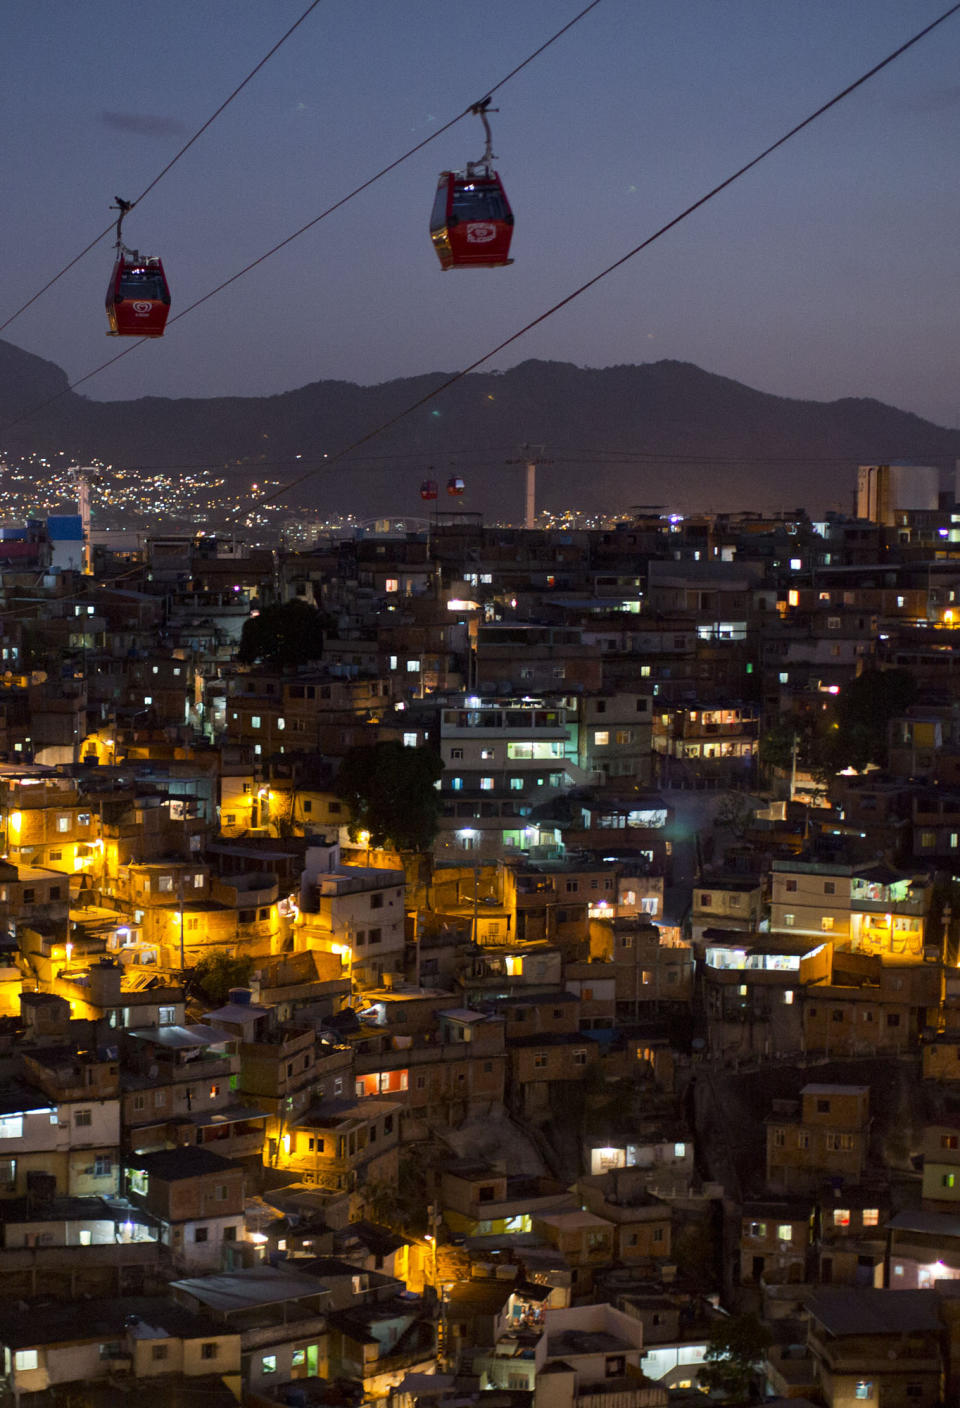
(793, 452)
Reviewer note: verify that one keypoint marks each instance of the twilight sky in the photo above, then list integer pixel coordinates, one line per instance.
(831, 270)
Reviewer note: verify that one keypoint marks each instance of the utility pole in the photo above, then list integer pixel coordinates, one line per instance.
(531, 456)
(183, 961)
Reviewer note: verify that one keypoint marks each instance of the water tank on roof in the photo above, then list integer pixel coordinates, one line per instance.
(241, 996)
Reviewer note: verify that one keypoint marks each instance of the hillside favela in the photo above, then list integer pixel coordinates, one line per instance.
(483, 963)
(479, 729)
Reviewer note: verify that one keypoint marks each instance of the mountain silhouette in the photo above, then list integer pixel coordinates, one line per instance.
(663, 432)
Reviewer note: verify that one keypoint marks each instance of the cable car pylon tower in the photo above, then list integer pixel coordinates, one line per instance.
(531, 456)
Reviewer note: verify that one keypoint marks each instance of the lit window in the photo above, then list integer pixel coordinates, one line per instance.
(148, 699)
(392, 584)
(456, 784)
(871, 1217)
(679, 1151)
(784, 1232)
(25, 1359)
(63, 823)
(788, 996)
(788, 920)
(601, 737)
(281, 723)
(826, 923)
(393, 662)
(486, 784)
(863, 1389)
(409, 740)
(413, 666)
(254, 720)
(11, 1126)
(268, 1363)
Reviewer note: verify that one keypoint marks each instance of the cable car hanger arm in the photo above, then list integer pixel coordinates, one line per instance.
(124, 207)
(474, 167)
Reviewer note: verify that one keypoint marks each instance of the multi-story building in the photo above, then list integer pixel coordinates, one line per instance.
(356, 911)
(198, 1198)
(871, 1346)
(502, 760)
(825, 1136)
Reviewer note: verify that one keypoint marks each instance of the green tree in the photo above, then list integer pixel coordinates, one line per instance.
(735, 1347)
(734, 812)
(218, 973)
(284, 635)
(776, 746)
(401, 1205)
(945, 895)
(863, 711)
(391, 794)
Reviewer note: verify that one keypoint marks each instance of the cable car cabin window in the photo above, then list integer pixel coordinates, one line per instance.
(141, 286)
(477, 201)
(438, 216)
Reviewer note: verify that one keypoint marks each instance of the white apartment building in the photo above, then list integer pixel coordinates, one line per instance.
(502, 760)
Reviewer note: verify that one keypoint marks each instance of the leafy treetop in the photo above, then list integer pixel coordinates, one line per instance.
(284, 635)
(735, 1347)
(390, 790)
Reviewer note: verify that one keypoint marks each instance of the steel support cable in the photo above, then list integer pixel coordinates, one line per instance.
(170, 164)
(357, 190)
(617, 264)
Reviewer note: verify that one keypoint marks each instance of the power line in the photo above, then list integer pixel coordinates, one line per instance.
(617, 264)
(357, 190)
(170, 164)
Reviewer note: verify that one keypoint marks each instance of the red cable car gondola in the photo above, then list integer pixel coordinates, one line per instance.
(428, 489)
(472, 224)
(138, 297)
(455, 486)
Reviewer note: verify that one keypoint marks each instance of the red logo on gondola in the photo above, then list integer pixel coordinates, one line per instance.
(142, 307)
(481, 234)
